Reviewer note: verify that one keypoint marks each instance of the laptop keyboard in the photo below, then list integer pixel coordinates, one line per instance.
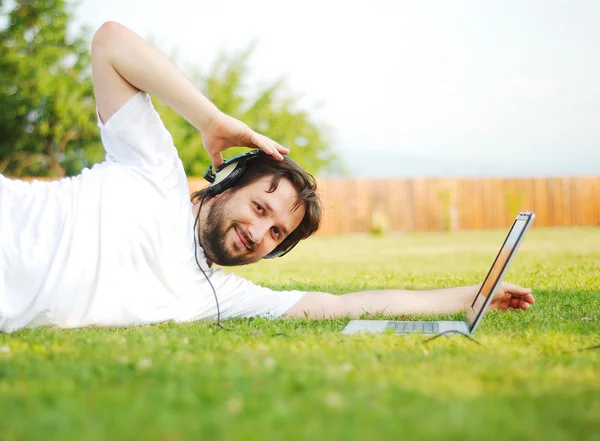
(409, 327)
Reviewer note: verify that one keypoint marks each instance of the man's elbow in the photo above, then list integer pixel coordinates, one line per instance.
(109, 31)
(318, 305)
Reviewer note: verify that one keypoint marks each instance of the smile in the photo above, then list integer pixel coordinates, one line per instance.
(241, 239)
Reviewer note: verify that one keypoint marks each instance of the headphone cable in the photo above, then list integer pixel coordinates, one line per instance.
(200, 266)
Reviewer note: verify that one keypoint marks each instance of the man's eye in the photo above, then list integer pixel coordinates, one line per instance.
(259, 208)
(277, 232)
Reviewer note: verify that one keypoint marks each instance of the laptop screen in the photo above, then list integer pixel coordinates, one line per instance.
(502, 259)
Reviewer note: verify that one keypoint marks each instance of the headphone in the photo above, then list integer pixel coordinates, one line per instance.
(225, 175)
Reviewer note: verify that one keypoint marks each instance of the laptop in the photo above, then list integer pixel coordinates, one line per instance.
(480, 303)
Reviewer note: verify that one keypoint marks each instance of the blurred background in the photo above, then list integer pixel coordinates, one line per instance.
(413, 115)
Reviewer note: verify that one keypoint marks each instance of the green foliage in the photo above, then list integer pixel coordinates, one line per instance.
(380, 222)
(303, 380)
(267, 110)
(48, 118)
(47, 123)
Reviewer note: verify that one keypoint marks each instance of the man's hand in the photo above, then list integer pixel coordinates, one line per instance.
(510, 296)
(226, 131)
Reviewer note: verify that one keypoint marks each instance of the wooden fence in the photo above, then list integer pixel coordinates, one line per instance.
(355, 205)
(361, 205)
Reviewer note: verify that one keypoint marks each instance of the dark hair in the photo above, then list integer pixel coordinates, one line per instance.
(304, 183)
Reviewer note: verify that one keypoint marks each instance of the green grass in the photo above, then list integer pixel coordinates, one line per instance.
(298, 379)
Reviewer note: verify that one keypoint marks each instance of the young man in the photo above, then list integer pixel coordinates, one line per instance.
(116, 245)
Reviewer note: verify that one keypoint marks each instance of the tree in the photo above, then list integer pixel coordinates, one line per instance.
(47, 108)
(48, 120)
(267, 111)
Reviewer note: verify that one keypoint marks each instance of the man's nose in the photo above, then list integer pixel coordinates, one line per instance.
(258, 230)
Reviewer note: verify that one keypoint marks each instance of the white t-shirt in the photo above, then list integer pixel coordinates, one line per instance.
(114, 246)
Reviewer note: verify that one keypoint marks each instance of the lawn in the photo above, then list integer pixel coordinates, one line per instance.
(303, 380)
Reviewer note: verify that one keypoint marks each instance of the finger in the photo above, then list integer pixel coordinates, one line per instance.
(515, 303)
(519, 303)
(217, 159)
(277, 149)
(267, 145)
(277, 154)
(281, 149)
(269, 148)
(526, 298)
(516, 289)
(259, 141)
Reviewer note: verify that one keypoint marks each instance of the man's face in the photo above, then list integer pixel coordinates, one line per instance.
(243, 226)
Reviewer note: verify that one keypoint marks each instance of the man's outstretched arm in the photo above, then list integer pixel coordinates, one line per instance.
(403, 302)
(124, 63)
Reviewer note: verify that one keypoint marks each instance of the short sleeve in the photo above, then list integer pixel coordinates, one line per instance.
(135, 135)
(239, 297)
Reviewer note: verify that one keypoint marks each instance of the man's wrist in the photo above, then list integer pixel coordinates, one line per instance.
(202, 114)
(469, 293)
(210, 119)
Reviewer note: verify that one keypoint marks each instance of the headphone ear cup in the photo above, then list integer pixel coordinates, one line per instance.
(225, 177)
(228, 172)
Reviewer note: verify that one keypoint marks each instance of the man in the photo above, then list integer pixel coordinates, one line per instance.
(116, 245)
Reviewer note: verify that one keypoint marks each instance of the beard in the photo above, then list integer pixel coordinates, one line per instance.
(213, 237)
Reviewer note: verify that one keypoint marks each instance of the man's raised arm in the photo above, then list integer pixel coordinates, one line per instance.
(124, 63)
(403, 302)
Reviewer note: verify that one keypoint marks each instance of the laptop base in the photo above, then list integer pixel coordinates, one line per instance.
(412, 327)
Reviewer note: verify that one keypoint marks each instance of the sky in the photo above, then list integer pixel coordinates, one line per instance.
(443, 79)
